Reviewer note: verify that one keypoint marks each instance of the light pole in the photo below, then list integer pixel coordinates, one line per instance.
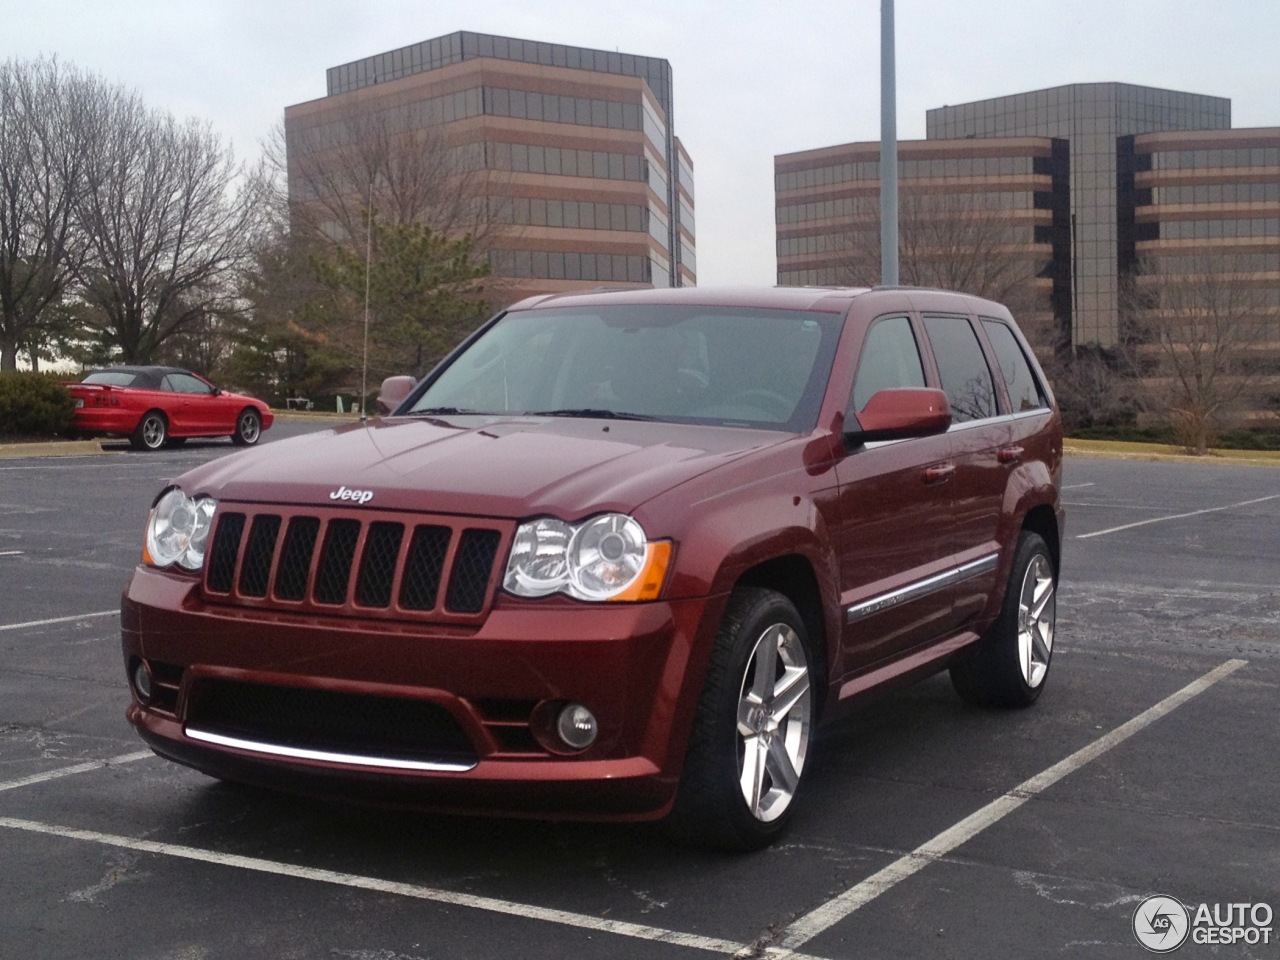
(888, 151)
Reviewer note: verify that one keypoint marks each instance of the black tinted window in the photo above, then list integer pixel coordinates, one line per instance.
(963, 368)
(890, 358)
(1024, 391)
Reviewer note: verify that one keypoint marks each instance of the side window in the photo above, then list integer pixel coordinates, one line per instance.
(1024, 390)
(962, 367)
(184, 383)
(890, 358)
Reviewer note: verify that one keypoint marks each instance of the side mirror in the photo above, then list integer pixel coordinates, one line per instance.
(393, 392)
(900, 413)
(217, 391)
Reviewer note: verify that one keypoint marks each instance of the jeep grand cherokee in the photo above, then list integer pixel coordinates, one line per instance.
(614, 557)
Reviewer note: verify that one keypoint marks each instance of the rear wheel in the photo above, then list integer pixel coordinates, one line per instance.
(151, 432)
(248, 428)
(753, 728)
(1010, 664)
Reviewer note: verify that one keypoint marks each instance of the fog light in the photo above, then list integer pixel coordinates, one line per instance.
(142, 681)
(577, 726)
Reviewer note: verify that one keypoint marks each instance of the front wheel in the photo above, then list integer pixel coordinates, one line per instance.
(151, 432)
(1009, 666)
(248, 428)
(753, 729)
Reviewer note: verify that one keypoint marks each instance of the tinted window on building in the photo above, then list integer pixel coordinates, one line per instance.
(890, 358)
(962, 367)
(1024, 391)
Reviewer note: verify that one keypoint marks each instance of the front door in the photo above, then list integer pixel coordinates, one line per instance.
(894, 512)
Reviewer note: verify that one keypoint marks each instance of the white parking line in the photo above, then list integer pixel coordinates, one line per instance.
(45, 623)
(453, 898)
(826, 916)
(10, 553)
(1177, 516)
(1077, 486)
(78, 768)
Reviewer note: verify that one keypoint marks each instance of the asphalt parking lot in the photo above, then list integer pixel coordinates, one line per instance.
(1151, 765)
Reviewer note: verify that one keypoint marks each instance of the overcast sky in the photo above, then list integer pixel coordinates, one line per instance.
(751, 78)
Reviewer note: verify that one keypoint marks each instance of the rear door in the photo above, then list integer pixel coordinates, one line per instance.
(894, 511)
(976, 438)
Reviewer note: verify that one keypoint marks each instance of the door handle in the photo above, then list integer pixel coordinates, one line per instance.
(1009, 454)
(939, 472)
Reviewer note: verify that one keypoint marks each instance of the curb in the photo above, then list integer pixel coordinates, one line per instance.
(52, 448)
(1211, 459)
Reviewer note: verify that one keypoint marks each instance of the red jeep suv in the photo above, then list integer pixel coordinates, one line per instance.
(614, 557)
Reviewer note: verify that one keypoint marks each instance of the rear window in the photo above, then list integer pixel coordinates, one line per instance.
(111, 378)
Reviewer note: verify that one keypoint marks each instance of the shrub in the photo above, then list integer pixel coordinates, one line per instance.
(33, 405)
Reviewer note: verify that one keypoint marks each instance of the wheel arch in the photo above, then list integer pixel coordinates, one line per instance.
(793, 576)
(1042, 520)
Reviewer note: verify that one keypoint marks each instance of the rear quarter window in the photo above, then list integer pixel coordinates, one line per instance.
(1025, 392)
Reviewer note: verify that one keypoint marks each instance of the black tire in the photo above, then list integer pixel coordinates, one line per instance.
(712, 807)
(1010, 664)
(248, 428)
(151, 433)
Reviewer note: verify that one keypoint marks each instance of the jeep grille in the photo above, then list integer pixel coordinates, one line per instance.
(374, 564)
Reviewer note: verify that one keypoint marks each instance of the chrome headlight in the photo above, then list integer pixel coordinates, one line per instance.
(604, 558)
(178, 529)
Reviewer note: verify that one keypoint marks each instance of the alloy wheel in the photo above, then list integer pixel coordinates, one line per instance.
(774, 721)
(1036, 616)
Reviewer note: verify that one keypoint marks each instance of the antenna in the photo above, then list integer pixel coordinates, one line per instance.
(368, 262)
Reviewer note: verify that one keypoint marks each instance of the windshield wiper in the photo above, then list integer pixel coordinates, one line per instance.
(439, 411)
(590, 413)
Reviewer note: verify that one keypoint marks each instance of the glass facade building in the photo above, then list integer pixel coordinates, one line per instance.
(581, 166)
(1091, 117)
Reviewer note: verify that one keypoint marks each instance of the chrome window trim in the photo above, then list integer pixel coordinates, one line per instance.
(1002, 418)
(922, 588)
(325, 756)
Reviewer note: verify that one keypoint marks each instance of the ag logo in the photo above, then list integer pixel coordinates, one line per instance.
(1161, 924)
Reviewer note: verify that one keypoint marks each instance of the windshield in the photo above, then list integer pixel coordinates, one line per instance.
(715, 365)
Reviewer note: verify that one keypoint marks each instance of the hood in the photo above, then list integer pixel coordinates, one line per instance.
(476, 466)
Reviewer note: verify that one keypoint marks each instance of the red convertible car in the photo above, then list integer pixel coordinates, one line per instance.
(158, 406)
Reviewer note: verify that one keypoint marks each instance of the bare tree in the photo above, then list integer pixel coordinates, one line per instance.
(956, 241)
(385, 198)
(170, 218)
(1206, 319)
(405, 169)
(42, 121)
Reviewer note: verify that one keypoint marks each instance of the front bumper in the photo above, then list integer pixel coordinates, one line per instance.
(637, 667)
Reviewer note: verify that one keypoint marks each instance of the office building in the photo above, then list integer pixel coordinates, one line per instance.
(1004, 202)
(1100, 184)
(571, 152)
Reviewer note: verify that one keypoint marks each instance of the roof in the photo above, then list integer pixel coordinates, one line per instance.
(825, 299)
